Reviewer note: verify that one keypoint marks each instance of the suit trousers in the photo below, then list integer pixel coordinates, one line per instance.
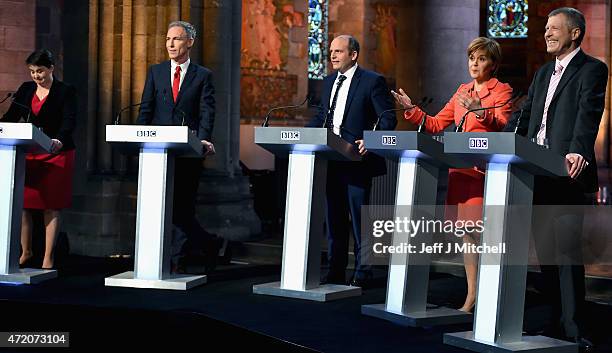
(347, 190)
(187, 233)
(557, 231)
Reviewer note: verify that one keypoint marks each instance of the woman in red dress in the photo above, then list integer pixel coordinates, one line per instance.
(466, 186)
(48, 180)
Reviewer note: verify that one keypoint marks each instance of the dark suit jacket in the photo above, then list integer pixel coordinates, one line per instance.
(57, 116)
(574, 113)
(368, 96)
(195, 103)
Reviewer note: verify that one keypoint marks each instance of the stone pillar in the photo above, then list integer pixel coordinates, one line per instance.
(218, 55)
(447, 27)
(225, 203)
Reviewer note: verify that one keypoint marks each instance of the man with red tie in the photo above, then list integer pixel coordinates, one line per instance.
(179, 92)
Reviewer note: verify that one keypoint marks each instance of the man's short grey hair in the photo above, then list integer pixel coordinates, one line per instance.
(575, 19)
(188, 27)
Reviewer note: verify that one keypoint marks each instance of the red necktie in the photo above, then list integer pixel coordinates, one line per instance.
(176, 82)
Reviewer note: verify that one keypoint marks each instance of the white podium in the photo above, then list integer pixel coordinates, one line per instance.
(511, 162)
(420, 159)
(308, 150)
(17, 139)
(157, 147)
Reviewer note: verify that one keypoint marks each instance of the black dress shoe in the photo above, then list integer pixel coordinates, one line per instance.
(364, 283)
(584, 345)
(178, 267)
(334, 279)
(29, 263)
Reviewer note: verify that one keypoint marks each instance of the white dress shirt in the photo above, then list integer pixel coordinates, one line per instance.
(184, 66)
(342, 97)
(552, 87)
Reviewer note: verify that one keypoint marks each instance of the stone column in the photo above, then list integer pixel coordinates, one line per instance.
(225, 204)
(447, 27)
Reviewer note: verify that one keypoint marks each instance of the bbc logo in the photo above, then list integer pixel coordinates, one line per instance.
(389, 140)
(479, 143)
(290, 135)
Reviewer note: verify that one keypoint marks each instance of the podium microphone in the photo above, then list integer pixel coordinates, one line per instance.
(174, 107)
(117, 120)
(518, 121)
(8, 95)
(28, 109)
(395, 110)
(462, 121)
(422, 123)
(267, 118)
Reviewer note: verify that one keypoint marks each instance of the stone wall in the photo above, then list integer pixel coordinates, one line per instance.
(17, 41)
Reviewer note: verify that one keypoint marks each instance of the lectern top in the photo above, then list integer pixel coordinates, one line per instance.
(505, 148)
(131, 138)
(284, 140)
(24, 135)
(411, 144)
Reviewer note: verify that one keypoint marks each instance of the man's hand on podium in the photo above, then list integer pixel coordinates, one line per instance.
(209, 148)
(575, 164)
(361, 147)
(56, 145)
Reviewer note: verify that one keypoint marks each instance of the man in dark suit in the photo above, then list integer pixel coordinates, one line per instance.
(352, 99)
(563, 110)
(179, 92)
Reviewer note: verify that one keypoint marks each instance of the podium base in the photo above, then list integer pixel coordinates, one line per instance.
(429, 317)
(28, 276)
(530, 344)
(174, 282)
(323, 293)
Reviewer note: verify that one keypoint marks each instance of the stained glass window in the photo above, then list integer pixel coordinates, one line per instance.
(317, 39)
(507, 19)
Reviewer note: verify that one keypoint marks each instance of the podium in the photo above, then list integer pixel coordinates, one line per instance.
(17, 139)
(511, 162)
(157, 146)
(420, 158)
(308, 150)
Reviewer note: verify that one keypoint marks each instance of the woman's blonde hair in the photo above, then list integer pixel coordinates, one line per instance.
(491, 48)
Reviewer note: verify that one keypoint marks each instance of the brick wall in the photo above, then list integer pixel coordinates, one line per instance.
(17, 41)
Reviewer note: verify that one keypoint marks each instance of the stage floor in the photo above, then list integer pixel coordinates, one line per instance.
(224, 313)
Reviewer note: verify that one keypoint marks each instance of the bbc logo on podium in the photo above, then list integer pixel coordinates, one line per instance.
(479, 143)
(290, 135)
(389, 140)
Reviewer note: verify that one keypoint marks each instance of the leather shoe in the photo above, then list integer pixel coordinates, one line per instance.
(584, 345)
(178, 267)
(364, 283)
(333, 279)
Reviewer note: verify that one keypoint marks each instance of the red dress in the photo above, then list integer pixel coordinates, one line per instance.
(48, 179)
(466, 186)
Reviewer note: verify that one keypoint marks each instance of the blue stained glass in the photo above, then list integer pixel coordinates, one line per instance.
(507, 18)
(317, 39)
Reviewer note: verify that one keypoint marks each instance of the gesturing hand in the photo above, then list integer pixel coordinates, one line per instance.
(402, 99)
(209, 148)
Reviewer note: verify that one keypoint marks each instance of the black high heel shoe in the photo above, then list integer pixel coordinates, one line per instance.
(29, 263)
